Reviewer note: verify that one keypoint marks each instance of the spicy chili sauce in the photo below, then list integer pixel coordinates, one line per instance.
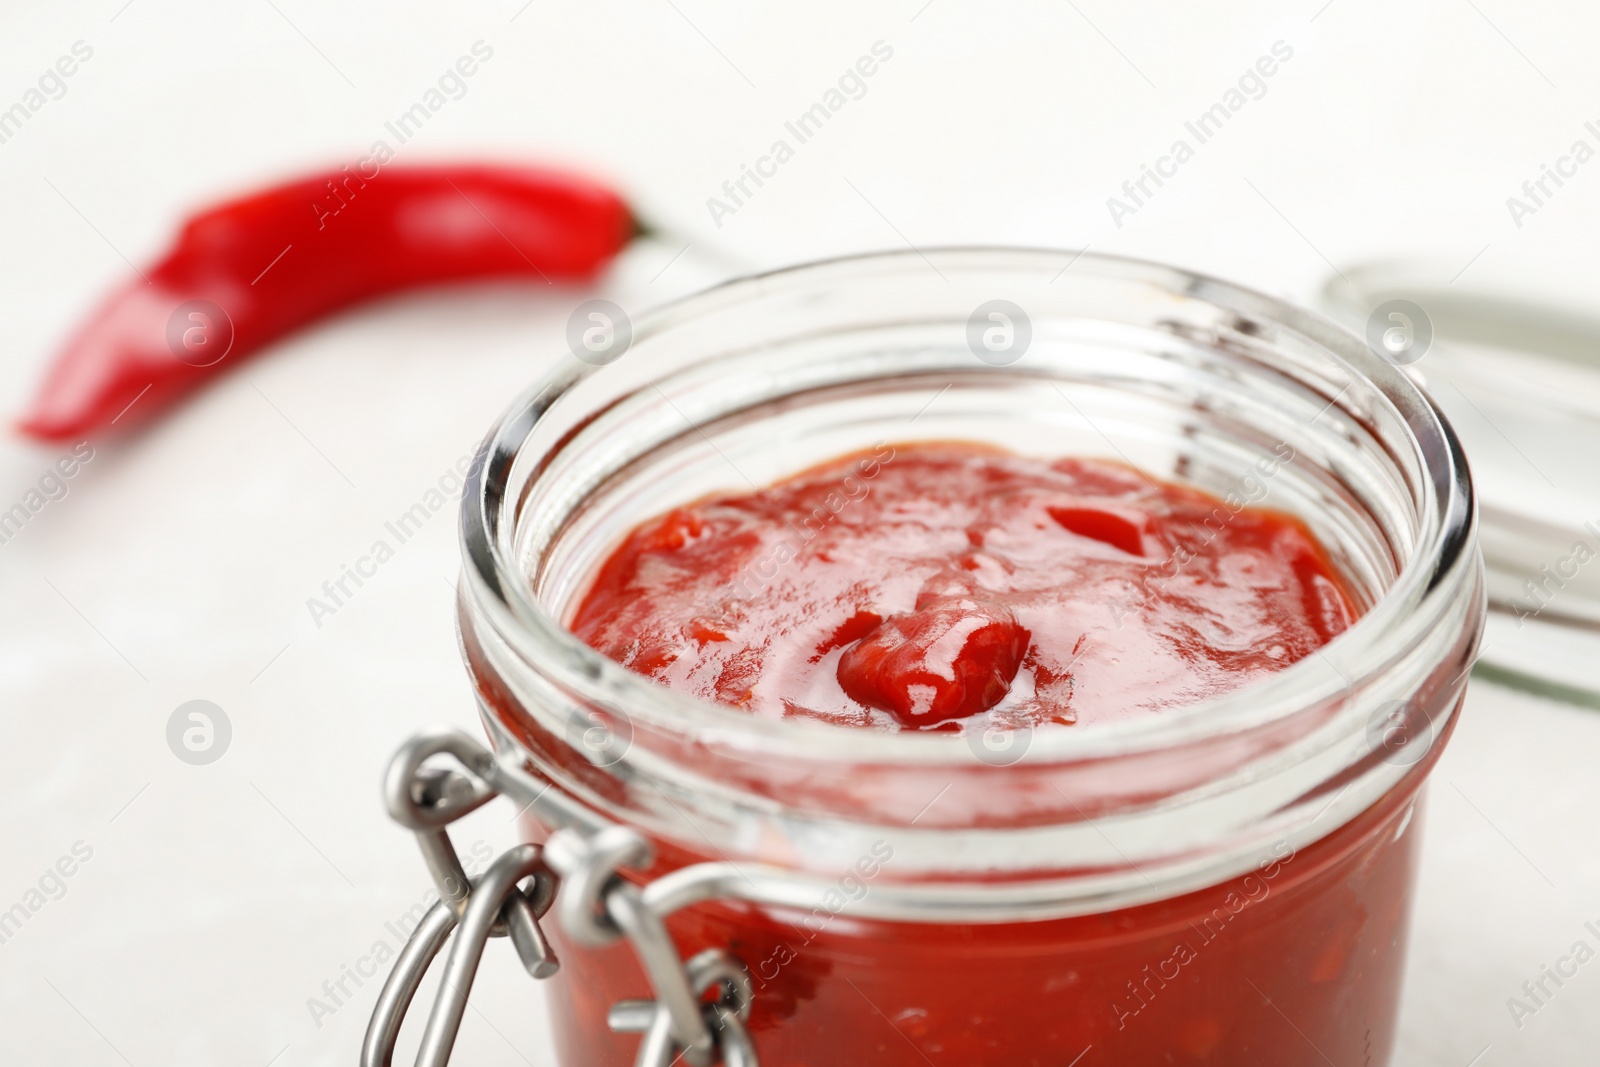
(949, 586)
(915, 586)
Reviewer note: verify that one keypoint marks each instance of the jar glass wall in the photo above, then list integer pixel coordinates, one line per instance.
(1222, 883)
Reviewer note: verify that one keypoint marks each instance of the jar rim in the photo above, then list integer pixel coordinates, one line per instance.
(498, 585)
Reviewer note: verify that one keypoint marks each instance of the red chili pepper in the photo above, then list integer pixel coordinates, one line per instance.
(247, 272)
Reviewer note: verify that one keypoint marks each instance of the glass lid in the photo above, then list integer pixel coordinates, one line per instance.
(1517, 371)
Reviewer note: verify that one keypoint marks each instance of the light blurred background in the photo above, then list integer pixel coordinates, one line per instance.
(220, 898)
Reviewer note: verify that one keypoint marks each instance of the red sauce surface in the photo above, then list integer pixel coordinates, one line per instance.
(950, 586)
(917, 585)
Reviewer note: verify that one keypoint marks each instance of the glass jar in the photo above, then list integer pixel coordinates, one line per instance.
(1227, 883)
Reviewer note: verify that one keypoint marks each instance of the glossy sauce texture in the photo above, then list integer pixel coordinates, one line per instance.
(950, 586)
(920, 586)
(1296, 963)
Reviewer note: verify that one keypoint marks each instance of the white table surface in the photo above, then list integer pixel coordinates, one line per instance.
(219, 898)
